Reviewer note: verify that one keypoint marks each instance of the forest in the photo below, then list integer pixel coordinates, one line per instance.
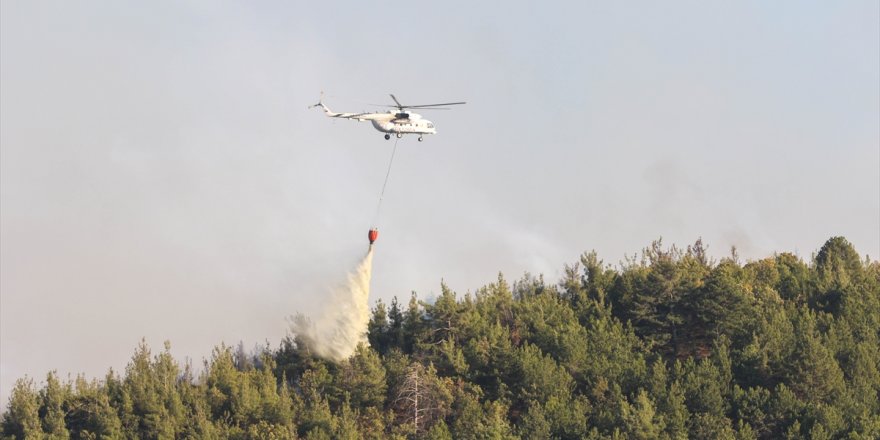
(667, 344)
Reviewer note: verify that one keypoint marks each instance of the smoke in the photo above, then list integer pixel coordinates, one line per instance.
(342, 323)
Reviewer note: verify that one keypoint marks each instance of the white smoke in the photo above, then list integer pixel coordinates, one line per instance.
(338, 328)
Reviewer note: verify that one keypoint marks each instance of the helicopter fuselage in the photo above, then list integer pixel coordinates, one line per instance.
(413, 124)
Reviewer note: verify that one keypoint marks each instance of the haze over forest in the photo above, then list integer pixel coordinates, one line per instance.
(161, 177)
(672, 345)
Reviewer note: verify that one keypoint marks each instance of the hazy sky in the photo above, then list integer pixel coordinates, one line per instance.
(161, 176)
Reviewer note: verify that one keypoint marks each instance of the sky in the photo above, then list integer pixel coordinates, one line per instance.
(161, 177)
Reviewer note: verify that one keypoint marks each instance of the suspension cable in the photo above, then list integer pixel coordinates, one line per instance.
(387, 173)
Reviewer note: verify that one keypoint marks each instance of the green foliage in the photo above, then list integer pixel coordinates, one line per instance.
(534, 423)
(421, 398)
(89, 412)
(52, 412)
(152, 407)
(362, 376)
(670, 345)
(21, 419)
(640, 418)
(377, 328)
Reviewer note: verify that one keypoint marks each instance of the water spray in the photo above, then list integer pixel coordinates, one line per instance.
(341, 325)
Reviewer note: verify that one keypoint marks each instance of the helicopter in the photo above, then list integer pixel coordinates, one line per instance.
(398, 122)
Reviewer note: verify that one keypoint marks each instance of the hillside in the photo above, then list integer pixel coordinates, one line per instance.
(669, 344)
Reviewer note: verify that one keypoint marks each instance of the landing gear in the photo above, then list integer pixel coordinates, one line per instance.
(387, 136)
(420, 138)
(399, 135)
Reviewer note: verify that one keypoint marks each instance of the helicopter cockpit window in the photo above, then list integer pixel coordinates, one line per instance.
(430, 125)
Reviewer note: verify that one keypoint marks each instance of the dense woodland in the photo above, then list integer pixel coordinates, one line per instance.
(667, 344)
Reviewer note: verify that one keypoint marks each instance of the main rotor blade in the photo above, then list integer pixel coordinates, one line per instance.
(434, 105)
(399, 105)
(405, 107)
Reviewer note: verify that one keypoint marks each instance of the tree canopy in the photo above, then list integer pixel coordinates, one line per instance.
(669, 345)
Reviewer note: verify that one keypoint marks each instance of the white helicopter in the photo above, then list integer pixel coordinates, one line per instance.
(398, 122)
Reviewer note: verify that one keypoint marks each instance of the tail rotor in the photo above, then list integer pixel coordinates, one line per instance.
(320, 103)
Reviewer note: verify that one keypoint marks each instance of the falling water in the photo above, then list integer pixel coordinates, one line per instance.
(336, 330)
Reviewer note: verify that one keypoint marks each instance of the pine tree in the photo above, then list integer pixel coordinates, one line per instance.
(468, 418)
(346, 427)
(752, 406)
(838, 270)
(316, 419)
(363, 377)
(413, 329)
(640, 419)
(147, 415)
(377, 328)
(89, 412)
(813, 373)
(794, 277)
(534, 423)
(439, 431)
(21, 420)
(442, 317)
(52, 408)
(395, 324)
(720, 307)
(675, 412)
